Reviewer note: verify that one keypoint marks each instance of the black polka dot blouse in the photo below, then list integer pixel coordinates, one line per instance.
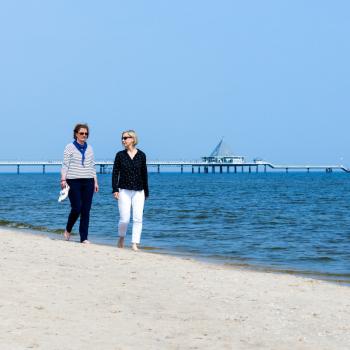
(130, 174)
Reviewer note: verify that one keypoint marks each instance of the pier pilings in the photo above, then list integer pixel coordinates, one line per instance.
(193, 166)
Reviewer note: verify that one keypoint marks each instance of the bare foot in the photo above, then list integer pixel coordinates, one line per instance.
(86, 242)
(134, 247)
(66, 235)
(120, 242)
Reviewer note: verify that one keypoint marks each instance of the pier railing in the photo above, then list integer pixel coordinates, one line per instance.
(195, 166)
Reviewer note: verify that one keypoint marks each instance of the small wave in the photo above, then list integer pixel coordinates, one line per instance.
(201, 216)
(151, 248)
(318, 259)
(26, 226)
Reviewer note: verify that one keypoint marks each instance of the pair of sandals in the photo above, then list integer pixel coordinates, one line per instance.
(63, 193)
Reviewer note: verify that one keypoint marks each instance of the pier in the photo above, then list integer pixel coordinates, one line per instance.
(221, 160)
(104, 167)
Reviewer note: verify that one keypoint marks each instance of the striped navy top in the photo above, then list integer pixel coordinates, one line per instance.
(72, 167)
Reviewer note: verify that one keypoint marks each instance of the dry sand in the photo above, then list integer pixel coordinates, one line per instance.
(65, 295)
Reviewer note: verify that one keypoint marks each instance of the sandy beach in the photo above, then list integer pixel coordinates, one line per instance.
(65, 295)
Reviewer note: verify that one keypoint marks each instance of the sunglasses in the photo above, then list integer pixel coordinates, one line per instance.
(83, 133)
(126, 137)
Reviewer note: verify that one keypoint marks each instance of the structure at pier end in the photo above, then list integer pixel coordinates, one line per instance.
(223, 154)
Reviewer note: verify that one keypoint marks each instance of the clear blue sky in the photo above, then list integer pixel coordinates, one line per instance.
(272, 77)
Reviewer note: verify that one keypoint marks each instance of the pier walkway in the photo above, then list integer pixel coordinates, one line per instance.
(194, 166)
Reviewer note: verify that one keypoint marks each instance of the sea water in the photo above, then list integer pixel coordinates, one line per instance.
(295, 222)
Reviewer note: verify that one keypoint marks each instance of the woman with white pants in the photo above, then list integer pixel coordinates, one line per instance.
(130, 187)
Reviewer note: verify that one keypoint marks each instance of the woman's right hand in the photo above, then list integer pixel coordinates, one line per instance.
(116, 195)
(63, 184)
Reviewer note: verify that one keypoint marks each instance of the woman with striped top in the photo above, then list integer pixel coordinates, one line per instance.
(79, 172)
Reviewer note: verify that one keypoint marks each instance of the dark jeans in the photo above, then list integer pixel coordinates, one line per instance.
(80, 196)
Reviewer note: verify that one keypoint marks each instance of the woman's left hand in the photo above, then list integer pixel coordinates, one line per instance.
(96, 187)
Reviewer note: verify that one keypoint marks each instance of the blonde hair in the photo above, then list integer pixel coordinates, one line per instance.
(133, 134)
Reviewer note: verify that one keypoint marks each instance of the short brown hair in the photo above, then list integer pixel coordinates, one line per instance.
(78, 127)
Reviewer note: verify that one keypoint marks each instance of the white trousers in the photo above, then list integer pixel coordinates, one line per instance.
(131, 199)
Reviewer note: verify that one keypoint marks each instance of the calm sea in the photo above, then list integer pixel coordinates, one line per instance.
(294, 222)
